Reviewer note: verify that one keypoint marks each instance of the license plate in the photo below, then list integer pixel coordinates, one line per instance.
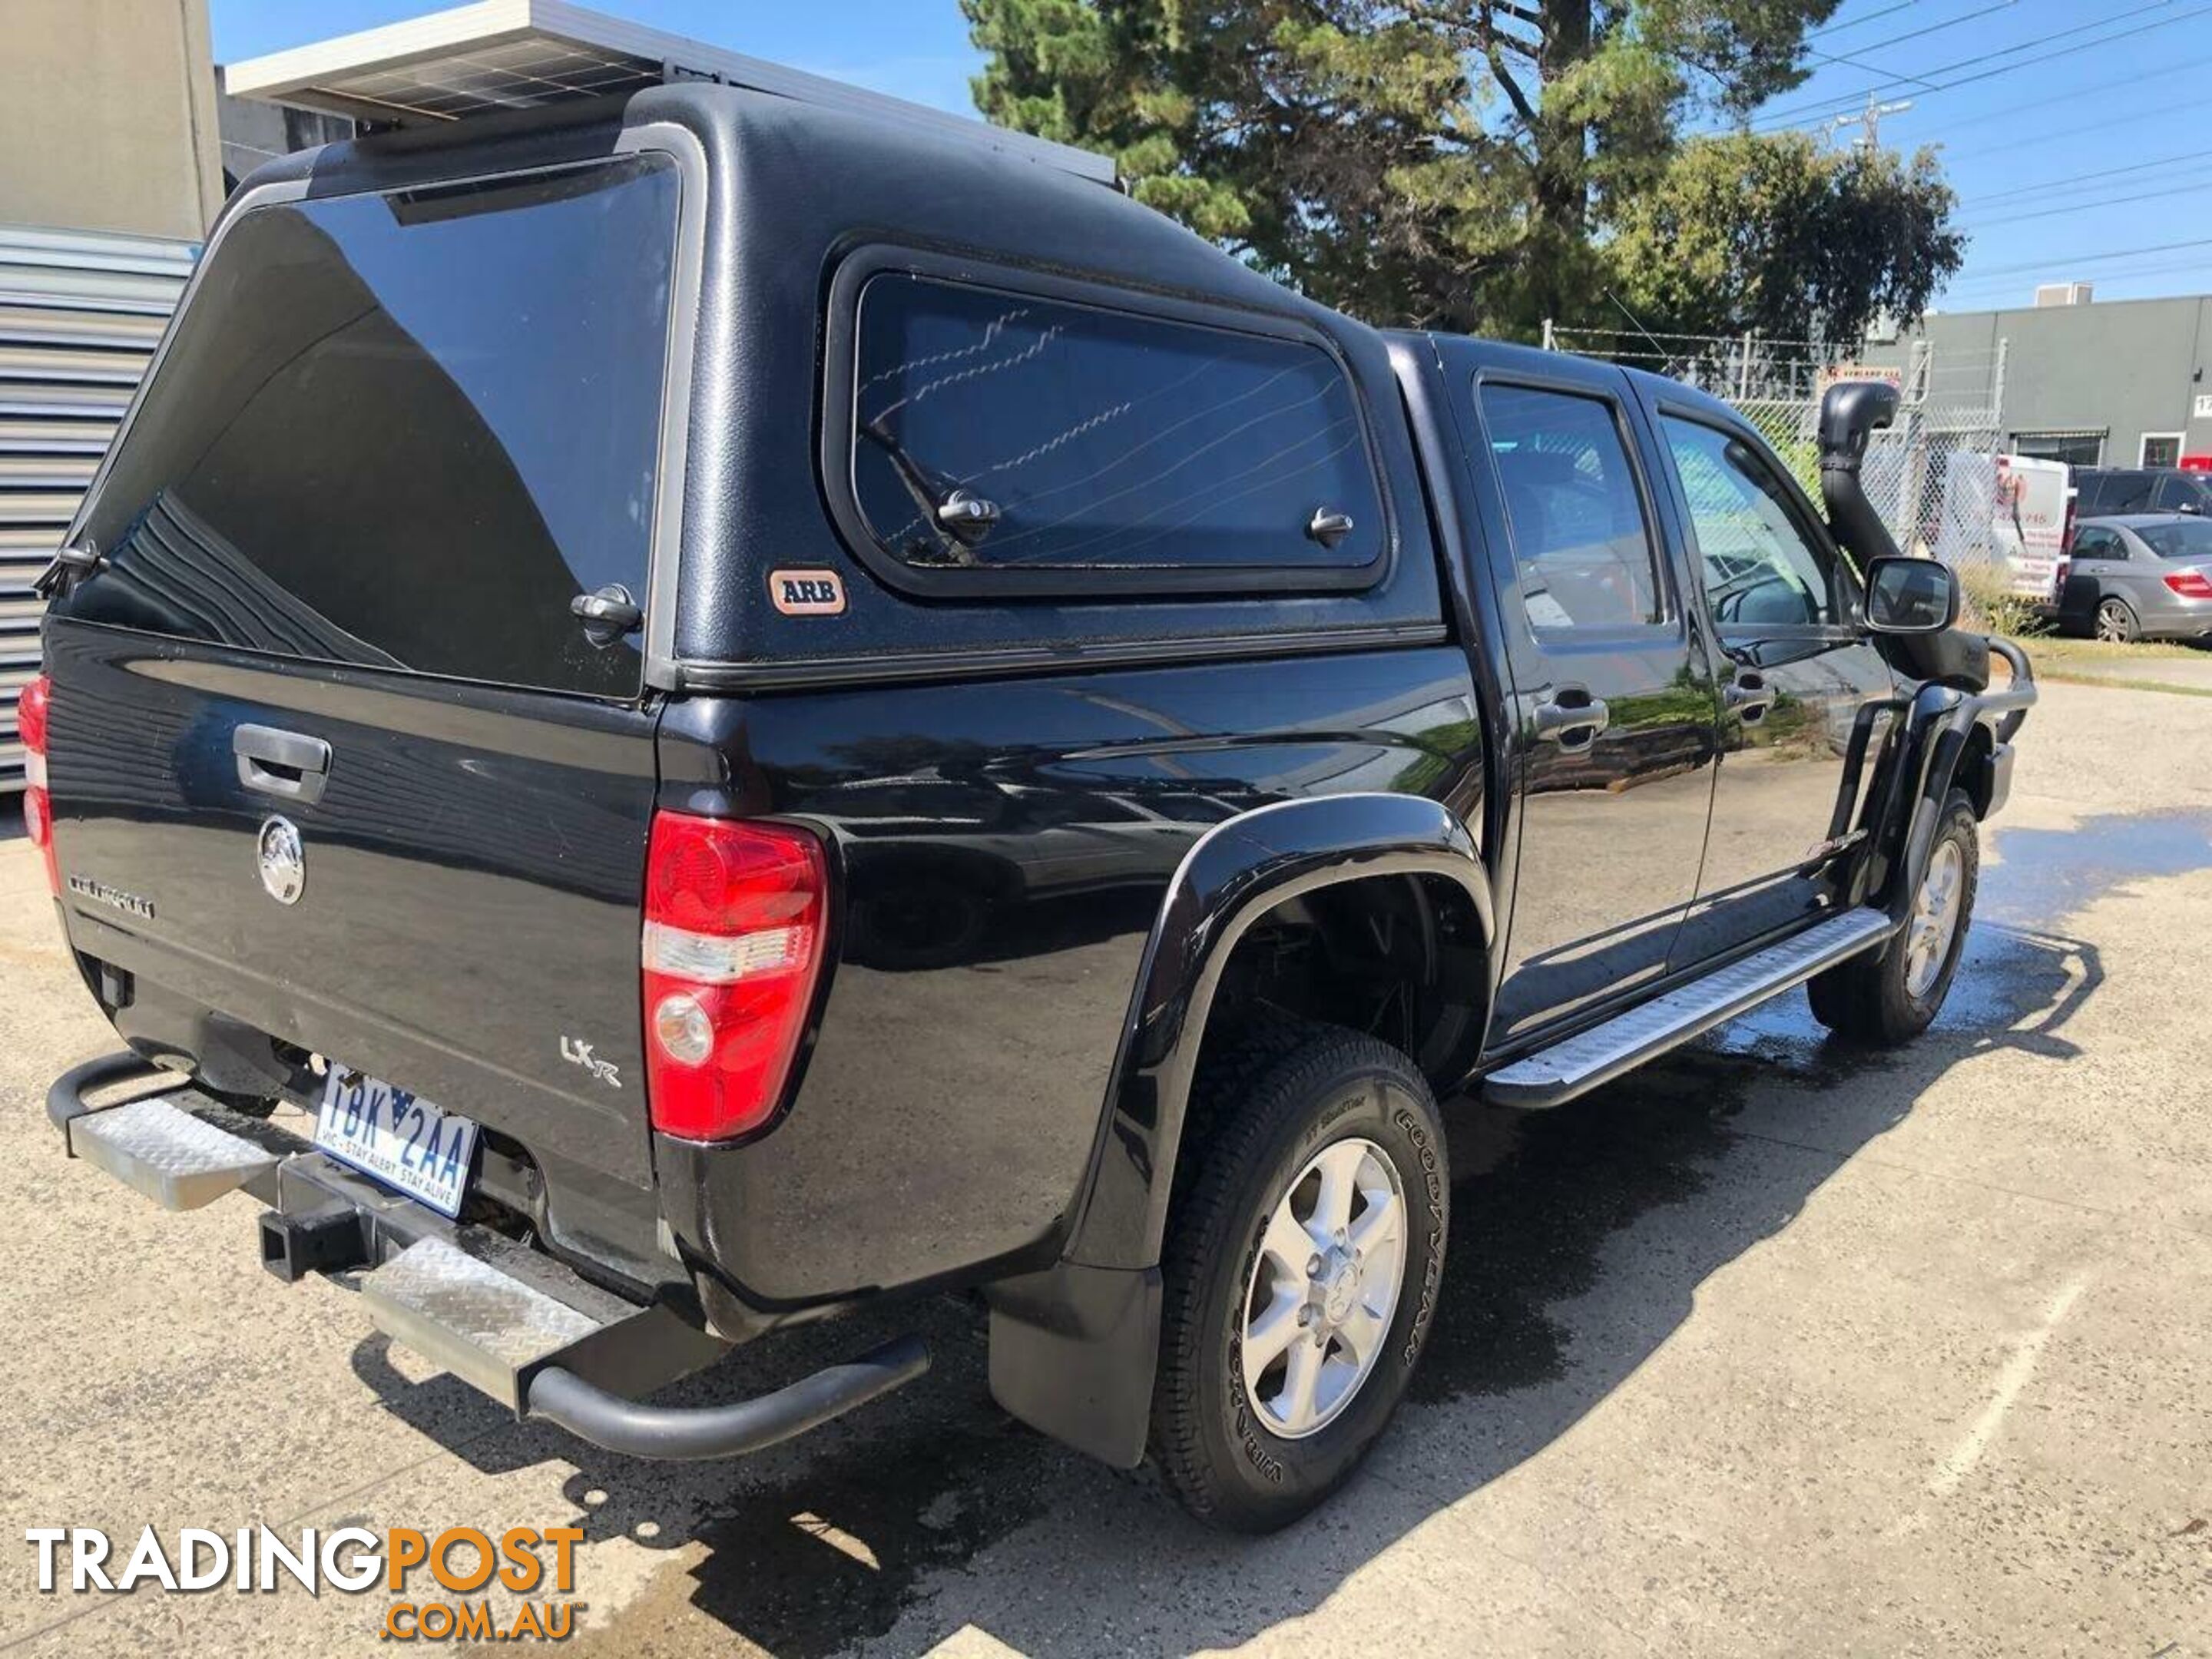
(400, 1139)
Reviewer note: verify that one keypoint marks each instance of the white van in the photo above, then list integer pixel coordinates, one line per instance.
(2008, 512)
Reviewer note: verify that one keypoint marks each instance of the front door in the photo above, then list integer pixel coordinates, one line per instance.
(1613, 693)
(1800, 679)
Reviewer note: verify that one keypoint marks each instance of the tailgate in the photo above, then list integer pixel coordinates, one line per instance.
(392, 438)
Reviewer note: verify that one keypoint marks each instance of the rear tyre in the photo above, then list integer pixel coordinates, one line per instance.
(1891, 996)
(1300, 1271)
(2116, 622)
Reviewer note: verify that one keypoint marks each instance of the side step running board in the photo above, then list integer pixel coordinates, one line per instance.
(1552, 1076)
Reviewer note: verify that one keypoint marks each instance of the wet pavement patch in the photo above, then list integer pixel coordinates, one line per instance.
(1537, 1196)
(812, 1568)
(2048, 875)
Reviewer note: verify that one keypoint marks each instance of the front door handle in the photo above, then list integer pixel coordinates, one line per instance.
(289, 765)
(1749, 696)
(1571, 717)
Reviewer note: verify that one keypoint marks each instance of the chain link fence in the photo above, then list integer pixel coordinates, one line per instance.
(1934, 475)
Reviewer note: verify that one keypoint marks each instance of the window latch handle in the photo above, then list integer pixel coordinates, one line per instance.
(968, 516)
(72, 565)
(1328, 526)
(606, 614)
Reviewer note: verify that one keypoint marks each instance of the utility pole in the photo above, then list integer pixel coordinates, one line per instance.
(1870, 118)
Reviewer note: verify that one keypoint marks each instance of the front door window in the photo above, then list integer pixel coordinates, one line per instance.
(1759, 569)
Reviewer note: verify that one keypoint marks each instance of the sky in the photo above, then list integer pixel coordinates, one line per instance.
(2069, 128)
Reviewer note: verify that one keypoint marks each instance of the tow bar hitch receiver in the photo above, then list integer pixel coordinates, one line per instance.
(509, 1320)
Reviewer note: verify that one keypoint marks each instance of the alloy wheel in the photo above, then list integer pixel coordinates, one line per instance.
(1324, 1287)
(1935, 920)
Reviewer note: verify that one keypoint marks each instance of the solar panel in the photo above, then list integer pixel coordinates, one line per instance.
(520, 54)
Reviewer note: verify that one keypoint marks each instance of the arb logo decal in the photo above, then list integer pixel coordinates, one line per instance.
(807, 593)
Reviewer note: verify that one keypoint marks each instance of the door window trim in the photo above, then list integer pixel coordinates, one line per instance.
(659, 669)
(1809, 525)
(1566, 641)
(837, 452)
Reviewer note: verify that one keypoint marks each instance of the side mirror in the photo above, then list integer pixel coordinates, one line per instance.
(1910, 596)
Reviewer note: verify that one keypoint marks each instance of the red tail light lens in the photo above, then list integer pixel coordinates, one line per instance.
(733, 937)
(30, 716)
(2191, 584)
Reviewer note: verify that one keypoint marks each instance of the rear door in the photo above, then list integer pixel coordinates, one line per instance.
(1614, 697)
(393, 437)
(1801, 682)
(2097, 565)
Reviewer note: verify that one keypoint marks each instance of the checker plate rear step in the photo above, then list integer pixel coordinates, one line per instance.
(180, 1161)
(1552, 1076)
(514, 1322)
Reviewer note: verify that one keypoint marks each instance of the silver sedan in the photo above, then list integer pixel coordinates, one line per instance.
(2141, 576)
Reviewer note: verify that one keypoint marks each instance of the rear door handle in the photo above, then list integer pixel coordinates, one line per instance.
(1571, 717)
(1750, 697)
(289, 765)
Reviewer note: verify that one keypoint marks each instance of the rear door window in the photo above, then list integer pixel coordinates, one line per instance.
(1580, 541)
(407, 430)
(996, 433)
(2178, 492)
(2179, 538)
(2093, 544)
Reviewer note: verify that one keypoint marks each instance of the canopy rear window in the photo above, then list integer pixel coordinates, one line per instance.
(407, 430)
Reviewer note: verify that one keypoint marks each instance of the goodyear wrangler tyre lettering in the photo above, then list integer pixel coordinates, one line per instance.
(1304, 1250)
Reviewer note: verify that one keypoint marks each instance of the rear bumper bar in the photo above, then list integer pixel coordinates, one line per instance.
(512, 1321)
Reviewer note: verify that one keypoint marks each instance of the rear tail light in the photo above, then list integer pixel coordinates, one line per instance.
(32, 710)
(2191, 584)
(2065, 568)
(733, 937)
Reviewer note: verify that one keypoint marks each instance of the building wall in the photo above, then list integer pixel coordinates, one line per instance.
(252, 132)
(2122, 367)
(108, 116)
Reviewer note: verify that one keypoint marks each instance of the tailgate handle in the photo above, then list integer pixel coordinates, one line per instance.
(289, 765)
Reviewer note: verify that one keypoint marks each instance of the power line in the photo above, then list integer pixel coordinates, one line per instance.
(1856, 59)
(1853, 22)
(1932, 29)
(2193, 185)
(2134, 78)
(2085, 258)
(1978, 294)
(2084, 178)
(1818, 112)
(2087, 127)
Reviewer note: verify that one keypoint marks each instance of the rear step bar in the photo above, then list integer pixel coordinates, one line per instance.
(1553, 1076)
(509, 1320)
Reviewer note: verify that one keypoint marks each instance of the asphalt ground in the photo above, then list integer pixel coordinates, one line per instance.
(1772, 1347)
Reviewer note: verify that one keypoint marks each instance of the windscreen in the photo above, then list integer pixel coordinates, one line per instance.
(407, 430)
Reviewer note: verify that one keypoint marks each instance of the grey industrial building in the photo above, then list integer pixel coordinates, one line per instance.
(2092, 382)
